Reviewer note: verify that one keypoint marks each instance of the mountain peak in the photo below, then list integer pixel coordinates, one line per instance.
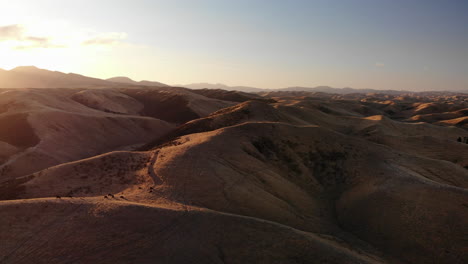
(126, 80)
(25, 69)
(121, 79)
(34, 77)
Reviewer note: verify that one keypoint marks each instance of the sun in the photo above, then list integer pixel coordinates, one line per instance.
(12, 57)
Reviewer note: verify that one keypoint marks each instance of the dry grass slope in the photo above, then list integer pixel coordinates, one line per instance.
(309, 179)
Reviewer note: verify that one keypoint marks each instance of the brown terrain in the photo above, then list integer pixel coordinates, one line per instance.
(172, 175)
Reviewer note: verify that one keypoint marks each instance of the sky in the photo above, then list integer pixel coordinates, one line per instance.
(379, 44)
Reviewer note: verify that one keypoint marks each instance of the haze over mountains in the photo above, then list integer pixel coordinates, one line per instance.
(127, 80)
(33, 77)
(116, 171)
(323, 89)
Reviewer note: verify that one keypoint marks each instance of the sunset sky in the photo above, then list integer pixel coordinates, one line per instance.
(393, 44)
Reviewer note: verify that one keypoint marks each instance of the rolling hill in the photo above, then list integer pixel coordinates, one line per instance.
(199, 176)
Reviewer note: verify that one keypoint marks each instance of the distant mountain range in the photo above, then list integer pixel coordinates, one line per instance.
(246, 89)
(126, 80)
(319, 89)
(33, 77)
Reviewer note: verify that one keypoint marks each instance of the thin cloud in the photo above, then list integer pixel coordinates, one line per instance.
(36, 43)
(106, 39)
(39, 45)
(11, 32)
(17, 33)
(379, 64)
(21, 39)
(37, 39)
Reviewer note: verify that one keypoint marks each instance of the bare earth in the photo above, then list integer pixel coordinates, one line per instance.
(171, 175)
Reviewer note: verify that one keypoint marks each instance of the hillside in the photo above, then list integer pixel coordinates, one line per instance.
(32, 77)
(324, 179)
(40, 128)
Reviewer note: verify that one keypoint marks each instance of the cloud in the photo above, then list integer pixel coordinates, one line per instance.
(44, 45)
(11, 32)
(379, 64)
(37, 39)
(106, 39)
(23, 40)
(20, 37)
